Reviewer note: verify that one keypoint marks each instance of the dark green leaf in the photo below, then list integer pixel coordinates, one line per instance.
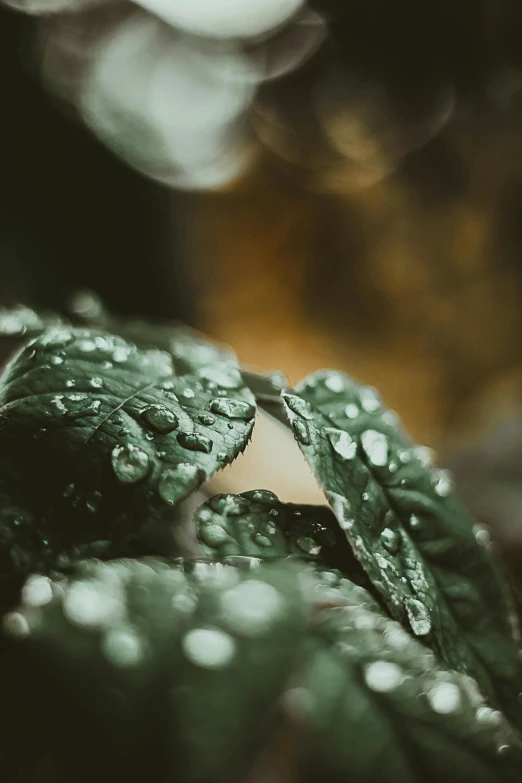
(372, 705)
(183, 663)
(98, 438)
(258, 524)
(414, 539)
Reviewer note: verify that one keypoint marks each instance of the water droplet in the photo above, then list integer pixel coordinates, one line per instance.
(122, 354)
(299, 406)
(232, 409)
(444, 698)
(213, 535)
(404, 455)
(96, 383)
(54, 338)
(376, 447)
(57, 358)
(351, 411)
(193, 441)
(70, 383)
(444, 483)
(206, 419)
(176, 483)
(415, 523)
(383, 676)
(425, 455)
(301, 432)
(37, 591)
(341, 443)
(226, 377)
(482, 535)
(16, 625)
(86, 345)
(252, 607)
(308, 545)
(93, 604)
(129, 463)
(262, 541)
(488, 716)
(365, 497)
(209, 648)
(391, 540)
(370, 399)
(92, 409)
(261, 496)
(160, 418)
(418, 616)
(335, 383)
(189, 394)
(122, 648)
(228, 505)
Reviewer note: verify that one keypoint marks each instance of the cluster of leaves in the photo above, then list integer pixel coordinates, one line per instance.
(373, 639)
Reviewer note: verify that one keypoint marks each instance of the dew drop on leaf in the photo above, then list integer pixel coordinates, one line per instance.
(261, 496)
(334, 383)
(383, 676)
(213, 535)
(232, 409)
(341, 442)
(228, 505)
(391, 540)
(193, 441)
(262, 541)
(444, 698)
(206, 419)
(209, 648)
(444, 483)
(376, 447)
(178, 482)
(252, 607)
(370, 399)
(351, 411)
(308, 545)
(129, 463)
(160, 418)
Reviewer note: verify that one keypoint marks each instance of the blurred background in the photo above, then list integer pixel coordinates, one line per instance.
(321, 184)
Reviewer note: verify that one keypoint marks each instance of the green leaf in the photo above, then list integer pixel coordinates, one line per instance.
(99, 438)
(419, 547)
(173, 665)
(258, 524)
(373, 705)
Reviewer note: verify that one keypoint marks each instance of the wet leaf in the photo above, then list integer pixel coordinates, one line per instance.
(175, 666)
(98, 438)
(372, 705)
(416, 542)
(258, 524)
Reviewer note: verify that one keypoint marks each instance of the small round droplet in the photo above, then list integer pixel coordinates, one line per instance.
(391, 540)
(383, 676)
(252, 607)
(262, 541)
(213, 535)
(232, 409)
(351, 411)
(301, 432)
(178, 482)
(193, 441)
(444, 698)
(228, 505)
(299, 406)
(209, 648)
(341, 442)
(96, 383)
(308, 545)
(161, 418)
(375, 445)
(335, 383)
(129, 463)
(488, 716)
(261, 496)
(482, 535)
(370, 399)
(206, 419)
(444, 483)
(122, 648)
